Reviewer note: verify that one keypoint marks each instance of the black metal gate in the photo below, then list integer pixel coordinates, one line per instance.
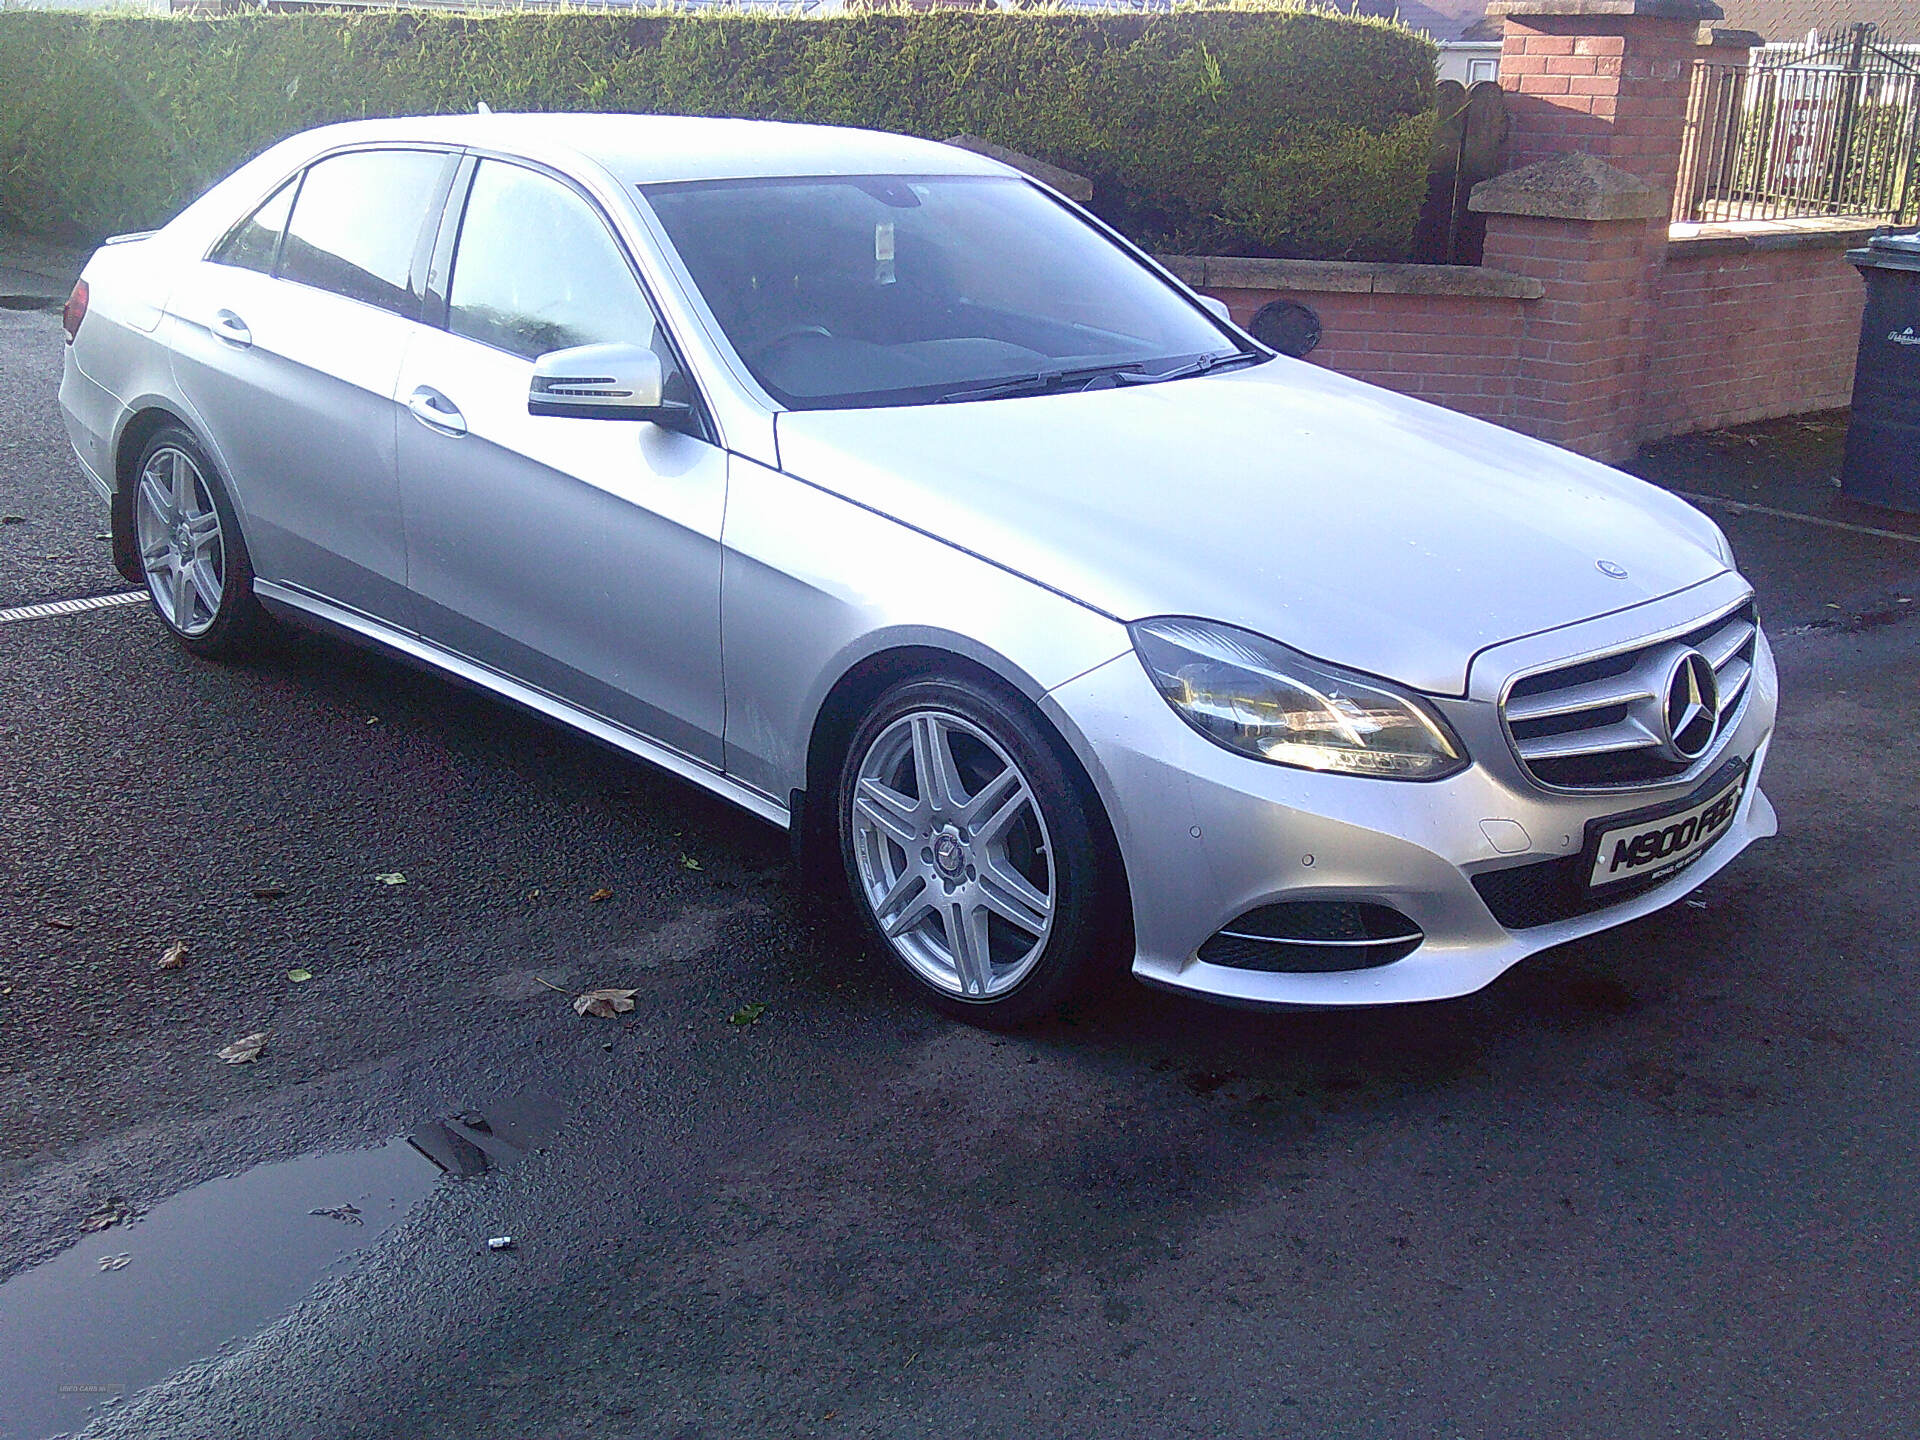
(1469, 132)
(1827, 129)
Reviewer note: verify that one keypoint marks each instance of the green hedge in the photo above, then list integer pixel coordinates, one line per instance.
(1240, 130)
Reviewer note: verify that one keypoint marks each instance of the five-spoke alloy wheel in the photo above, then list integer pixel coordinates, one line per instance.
(195, 563)
(968, 848)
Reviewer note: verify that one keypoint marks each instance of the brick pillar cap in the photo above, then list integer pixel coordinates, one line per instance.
(1569, 187)
(1695, 10)
(1731, 39)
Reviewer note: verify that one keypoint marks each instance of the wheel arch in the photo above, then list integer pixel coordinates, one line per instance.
(144, 417)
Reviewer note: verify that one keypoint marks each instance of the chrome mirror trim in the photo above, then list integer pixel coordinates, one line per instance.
(601, 382)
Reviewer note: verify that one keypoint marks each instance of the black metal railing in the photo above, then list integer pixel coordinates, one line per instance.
(1812, 130)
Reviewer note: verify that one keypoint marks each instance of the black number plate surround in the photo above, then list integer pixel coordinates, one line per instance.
(1723, 778)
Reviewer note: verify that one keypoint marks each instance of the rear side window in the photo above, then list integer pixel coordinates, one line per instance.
(254, 244)
(357, 224)
(536, 269)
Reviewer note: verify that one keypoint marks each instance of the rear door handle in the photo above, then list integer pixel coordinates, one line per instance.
(436, 411)
(231, 328)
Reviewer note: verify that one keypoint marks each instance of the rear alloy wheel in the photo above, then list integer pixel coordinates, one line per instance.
(196, 567)
(968, 849)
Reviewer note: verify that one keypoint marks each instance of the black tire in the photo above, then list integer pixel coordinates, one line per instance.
(237, 621)
(1066, 824)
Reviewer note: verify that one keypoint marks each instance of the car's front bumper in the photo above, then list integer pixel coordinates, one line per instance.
(1207, 835)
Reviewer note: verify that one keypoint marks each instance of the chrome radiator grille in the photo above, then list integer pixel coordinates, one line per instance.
(1607, 723)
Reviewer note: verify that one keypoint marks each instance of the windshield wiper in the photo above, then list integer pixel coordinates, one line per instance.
(1199, 365)
(1040, 382)
(1128, 372)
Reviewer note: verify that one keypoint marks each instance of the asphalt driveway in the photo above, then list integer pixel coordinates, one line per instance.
(1659, 1183)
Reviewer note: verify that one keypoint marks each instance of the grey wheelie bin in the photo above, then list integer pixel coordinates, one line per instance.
(1882, 465)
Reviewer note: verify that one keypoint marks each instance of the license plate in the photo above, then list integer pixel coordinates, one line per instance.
(1648, 847)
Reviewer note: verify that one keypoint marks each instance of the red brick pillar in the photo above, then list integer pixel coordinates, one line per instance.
(1597, 105)
(1590, 234)
(1607, 78)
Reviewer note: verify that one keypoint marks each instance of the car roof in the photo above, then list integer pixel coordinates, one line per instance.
(651, 149)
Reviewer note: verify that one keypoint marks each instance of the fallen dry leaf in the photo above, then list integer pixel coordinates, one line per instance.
(59, 922)
(173, 957)
(392, 877)
(601, 894)
(115, 1262)
(748, 1014)
(299, 977)
(244, 1050)
(268, 892)
(687, 862)
(604, 1003)
(115, 1212)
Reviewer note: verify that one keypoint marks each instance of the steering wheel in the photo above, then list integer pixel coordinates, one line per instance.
(792, 333)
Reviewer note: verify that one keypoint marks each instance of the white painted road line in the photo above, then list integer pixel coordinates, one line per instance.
(55, 608)
(1741, 507)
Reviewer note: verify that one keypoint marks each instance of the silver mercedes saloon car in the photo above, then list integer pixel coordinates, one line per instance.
(881, 490)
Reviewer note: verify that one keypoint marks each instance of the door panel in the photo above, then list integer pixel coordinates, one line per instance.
(294, 376)
(579, 556)
(303, 417)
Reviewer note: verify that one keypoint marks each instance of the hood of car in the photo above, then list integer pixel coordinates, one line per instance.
(1361, 527)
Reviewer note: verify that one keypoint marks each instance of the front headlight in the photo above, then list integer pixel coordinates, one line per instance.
(1253, 695)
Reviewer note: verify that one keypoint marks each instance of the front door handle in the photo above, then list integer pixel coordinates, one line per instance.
(436, 411)
(231, 328)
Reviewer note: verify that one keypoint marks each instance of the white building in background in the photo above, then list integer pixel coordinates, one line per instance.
(1469, 61)
(151, 7)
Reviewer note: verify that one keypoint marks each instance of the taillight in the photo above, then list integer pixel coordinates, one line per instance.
(75, 310)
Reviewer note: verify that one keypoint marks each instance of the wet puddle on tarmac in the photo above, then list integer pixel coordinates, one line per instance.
(126, 1306)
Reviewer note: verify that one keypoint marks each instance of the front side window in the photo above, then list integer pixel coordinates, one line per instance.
(254, 244)
(536, 270)
(891, 290)
(357, 223)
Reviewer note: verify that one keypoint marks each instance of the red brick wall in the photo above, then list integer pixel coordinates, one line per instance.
(1749, 336)
(1632, 337)
(1455, 350)
(1608, 358)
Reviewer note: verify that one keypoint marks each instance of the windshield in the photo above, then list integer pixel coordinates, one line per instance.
(896, 290)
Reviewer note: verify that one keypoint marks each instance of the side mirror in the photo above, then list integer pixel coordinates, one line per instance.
(1217, 308)
(603, 382)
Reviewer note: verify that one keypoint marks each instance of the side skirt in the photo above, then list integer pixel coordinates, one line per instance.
(354, 626)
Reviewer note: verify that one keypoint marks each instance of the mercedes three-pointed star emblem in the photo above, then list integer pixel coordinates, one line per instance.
(1692, 709)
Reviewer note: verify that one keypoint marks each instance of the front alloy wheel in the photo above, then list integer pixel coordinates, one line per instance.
(968, 846)
(953, 854)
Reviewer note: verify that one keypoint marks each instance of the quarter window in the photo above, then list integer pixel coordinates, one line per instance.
(254, 243)
(536, 270)
(357, 224)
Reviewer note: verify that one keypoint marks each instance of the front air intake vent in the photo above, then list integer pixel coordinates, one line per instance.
(1307, 936)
